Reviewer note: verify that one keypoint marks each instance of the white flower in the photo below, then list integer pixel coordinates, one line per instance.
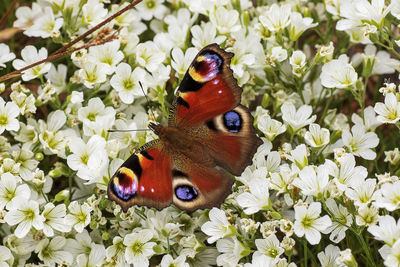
(342, 222)
(393, 259)
(95, 257)
(108, 54)
(8, 113)
(312, 182)
(270, 127)
(257, 199)
(26, 16)
(328, 257)
(53, 140)
(395, 8)
(26, 215)
(95, 114)
(242, 57)
(389, 196)
(10, 191)
(92, 74)
(388, 230)
(299, 156)
(58, 76)
(46, 25)
(309, 223)
(348, 174)
(370, 120)
(205, 34)
(6, 258)
(93, 12)
(138, 248)
(297, 119)
(218, 226)
(149, 8)
(367, 216)
(168, 261)
(232, 251)
(317, 137)
(298, 25)
(360, 142)
(298, 61)
(181, 62)
(52, 252)
(390, 111)
(226, 21)
(31, 55)
(149, 56)
(377, 62)
(338, 73)
(79, 216)
(261, 261)
(5, 55)
(54, 219)
(269, 247)
(363, 192)
(116, 251)
(276, 18)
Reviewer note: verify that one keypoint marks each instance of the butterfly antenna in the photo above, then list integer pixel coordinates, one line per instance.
(148, 103)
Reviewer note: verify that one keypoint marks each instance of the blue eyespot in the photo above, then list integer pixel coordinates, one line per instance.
(232, 121)
(125, 183)
(186, 192)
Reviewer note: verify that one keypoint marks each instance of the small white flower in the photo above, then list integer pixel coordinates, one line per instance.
(181, 62)
(299, 156)
(362, 192)
(269, 247)
(5, 55)
(116, 251)
(138, 248)
(168, 261)
(360, 142)
(8, 116)
(298, 61)
(257, 199)
(389, 196)
(328, 257)
(108, 54)
(312, 182)
(54, 219)
(276, 18)
(367, 216)
(218, 226)
(26, 215)
(92, 74)
(95, 257)
(151, 8)
(317, 137)
(46, 25)
(232, 250)
(242, 57)
(261, 261)
(95, 115)
(31, 55)
(342, 222)
(270, 127)
(10, 191)
(388, 230)
(53, 140)
(390, 111)
(6, 258)
(309, 223)
(393, 259)
(278, 54)
(370, 120)
(338, 73)
(79, 216)
(297, 119)
(52, 252)
(149, 56)
(93, 12)
(226, 21)
(205, 34)
(298, 25)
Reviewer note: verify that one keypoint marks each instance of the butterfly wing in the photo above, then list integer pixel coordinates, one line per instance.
(198, 187)
(144, 179)
(208, 89)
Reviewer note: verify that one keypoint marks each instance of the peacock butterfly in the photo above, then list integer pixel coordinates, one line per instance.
(208, 134)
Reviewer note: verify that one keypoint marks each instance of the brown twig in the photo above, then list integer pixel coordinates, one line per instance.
(95, 28)
(61, 52)
(7, 14)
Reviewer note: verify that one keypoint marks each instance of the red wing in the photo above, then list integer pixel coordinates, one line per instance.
(144, 179)
(208, 89)
(199, 187)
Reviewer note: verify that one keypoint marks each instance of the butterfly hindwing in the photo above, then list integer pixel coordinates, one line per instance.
(207, 89)
(144, 179)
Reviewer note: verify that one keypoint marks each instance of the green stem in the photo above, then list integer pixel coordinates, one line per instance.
(305, 252)
(365, 248)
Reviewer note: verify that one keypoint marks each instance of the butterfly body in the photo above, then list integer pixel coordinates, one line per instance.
(209, 134)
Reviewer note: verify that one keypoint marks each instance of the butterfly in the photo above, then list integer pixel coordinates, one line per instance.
(208, 135)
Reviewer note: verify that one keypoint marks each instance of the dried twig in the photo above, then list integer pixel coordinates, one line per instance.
(3, 19)
(62, 51)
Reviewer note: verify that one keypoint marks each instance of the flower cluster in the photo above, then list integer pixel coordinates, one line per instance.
(321, 76)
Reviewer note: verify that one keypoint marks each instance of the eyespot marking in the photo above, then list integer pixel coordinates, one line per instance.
(232, 121)
(186, 193)
(206, 67)
(125, 183)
